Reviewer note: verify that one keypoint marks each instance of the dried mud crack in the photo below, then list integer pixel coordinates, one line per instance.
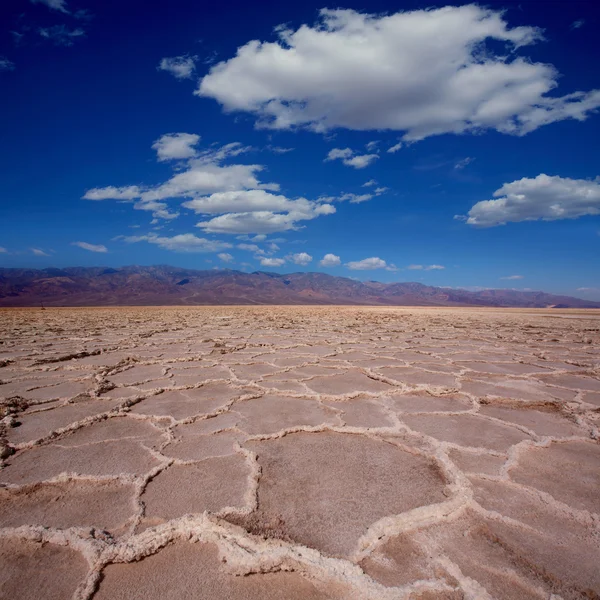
(299, 453)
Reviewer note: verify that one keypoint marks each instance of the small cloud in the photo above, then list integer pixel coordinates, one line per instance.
(350, 159)
(302, 258)
(61, 35)
(280, 149)
(176, 146)
(588, 289)
(181, 67)
(361, 161)
(510, 277)
(225, 257)
(91, 247)
(395, 148)
(370, 183)
(372, 146)
(251, 248)
(425, 267)
(354, 198)
(546, 198)
(6, 65)
(59, 5)
(184, 242)
(17, 37)
(3, 250)
(577, 24)
(330, 260)
(83, 14)
(39, 252)
(461, 164)
(381, 190)
(272, 262)
(367, 264)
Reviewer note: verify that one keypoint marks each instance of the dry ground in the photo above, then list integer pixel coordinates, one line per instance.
(298, 453)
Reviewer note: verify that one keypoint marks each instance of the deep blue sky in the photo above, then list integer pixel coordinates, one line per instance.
(82, 111)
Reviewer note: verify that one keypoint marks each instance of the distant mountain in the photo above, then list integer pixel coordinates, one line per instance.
(165, 285)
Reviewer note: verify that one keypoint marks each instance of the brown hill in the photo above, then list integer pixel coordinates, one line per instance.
(165, 285)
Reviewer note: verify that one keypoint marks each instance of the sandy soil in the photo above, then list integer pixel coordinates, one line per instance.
(299, 453)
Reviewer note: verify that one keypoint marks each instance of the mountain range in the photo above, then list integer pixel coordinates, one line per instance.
(166, 285)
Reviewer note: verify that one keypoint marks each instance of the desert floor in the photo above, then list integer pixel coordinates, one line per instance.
(254, 453)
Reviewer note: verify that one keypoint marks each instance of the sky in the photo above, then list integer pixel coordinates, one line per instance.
(450, 144)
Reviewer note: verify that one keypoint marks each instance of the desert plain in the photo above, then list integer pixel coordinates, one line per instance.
(252, 453)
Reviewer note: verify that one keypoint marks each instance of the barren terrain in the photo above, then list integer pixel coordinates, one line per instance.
(299, 453)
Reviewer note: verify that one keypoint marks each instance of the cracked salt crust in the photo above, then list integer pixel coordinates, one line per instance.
(331, 452)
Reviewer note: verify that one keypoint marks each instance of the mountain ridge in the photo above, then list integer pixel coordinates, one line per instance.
(168, 285)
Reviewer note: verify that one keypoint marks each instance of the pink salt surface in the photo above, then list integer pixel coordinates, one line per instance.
(86, 503)
(270, 414)
(32, 570)
(41, 424)
(198, 574)
(329, 487)
(509, 453)
(193, 488)
(182, 404)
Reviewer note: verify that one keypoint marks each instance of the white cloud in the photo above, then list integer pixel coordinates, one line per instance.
(159, 210)
(461, 164)
(181, 67)
(330, 260)
(425, 267)
(176, 146)
(370, 183)
(91, 247)
(279, 149)
(361, 161)
(59, 5)
(544, 197)
(367, 264)
(510, 277)
(255, 211)
(184, 242)
(578, 24)
(225, 257)
(371, 146)
(302, 258)
(3, 250)
(129, 192)
(355, 198)
(395, 148)
(39, 252)
(366, 72)
(347, 156)
(242, 201)
(61, 35)
(6, 65)
(262, 221)
(272, 262)
(251, 248)
(233, 191)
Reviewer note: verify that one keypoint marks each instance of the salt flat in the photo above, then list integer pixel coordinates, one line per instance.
(299, 452)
